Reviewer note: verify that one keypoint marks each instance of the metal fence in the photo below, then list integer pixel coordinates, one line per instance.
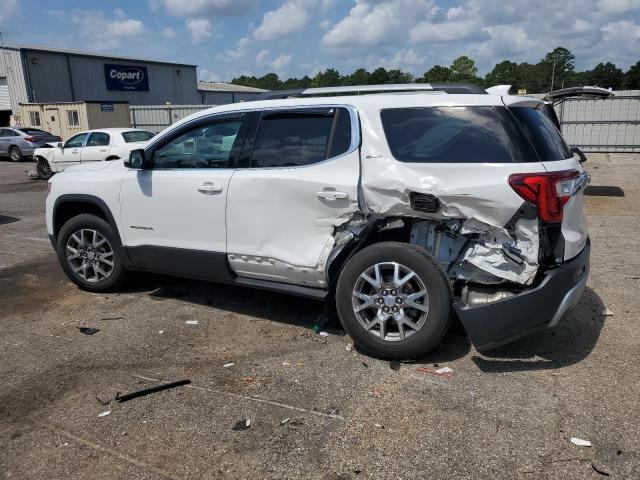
(609, 125)
(156, 118)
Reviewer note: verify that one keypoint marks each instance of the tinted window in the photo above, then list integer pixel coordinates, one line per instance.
(98, 139)
(454, 135)
(137, 136)
(205, 146)
(542, 133)
(76, 140)
(4, 132)
(287, 139)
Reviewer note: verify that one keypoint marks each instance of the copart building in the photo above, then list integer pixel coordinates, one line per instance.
(49, 76)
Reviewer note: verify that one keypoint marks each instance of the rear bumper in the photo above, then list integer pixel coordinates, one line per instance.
(504, 321)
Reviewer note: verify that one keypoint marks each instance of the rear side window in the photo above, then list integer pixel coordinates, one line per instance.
(98, 139)
(298, 138)
(454, 135)
(542, 133)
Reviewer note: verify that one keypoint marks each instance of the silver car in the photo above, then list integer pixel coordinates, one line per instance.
(17, 143)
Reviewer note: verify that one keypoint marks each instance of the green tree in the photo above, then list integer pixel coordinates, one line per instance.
(504, 73)
(555, 68)
(463, 69)
(605, 75)
(359, 77)
(329, 78)
(437, 73)
(632, 78)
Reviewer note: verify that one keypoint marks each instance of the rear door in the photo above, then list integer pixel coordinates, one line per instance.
(96, 147)
(299, 183)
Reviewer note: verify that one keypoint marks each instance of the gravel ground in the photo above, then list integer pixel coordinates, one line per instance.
(316, 409)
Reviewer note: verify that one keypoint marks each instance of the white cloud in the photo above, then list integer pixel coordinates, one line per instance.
(101, 33)
(443, 32)
(615, 7)
(199, 28)
(324, 24)
(168, 32)
(281, 61)
(261, 57)
(205, 75)
(290, 17)
(240, 51)
(196, 8)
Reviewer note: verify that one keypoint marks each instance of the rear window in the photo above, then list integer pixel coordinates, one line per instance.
(454, 135)
(33, 131)
(542, 133)
(137, 136)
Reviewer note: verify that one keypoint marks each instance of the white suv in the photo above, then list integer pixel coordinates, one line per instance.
(400, 208)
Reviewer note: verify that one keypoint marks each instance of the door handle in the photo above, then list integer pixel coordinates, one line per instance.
(209, 188)
(103, 149)
(75, 150)
(332, 195)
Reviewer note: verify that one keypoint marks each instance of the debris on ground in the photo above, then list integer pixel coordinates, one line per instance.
(112, 318)
(191, 322)
(324, 334)
(607, 313)
(378, 425)
(161, 332)
(103, 400)
(364, 364)
(227, 365)
(88, 330)
(349, 347)
(146, 391)
(580, 442)
(242, 425)
(599, 470)
(321, 322)
(376, 392)
(248, 379)
(445, 372)
(284, 421)
(105, 413)
(286, 364)
(395, 365)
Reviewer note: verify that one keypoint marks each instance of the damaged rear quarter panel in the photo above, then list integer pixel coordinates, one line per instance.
(477, 193)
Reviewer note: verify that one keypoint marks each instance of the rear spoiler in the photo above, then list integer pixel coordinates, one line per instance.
(558, 96)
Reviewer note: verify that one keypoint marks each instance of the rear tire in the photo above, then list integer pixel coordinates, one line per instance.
(396, 290)
(15, 154)
(90, 253)
(43, 168)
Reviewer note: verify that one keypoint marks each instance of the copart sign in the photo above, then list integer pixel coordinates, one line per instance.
(126, 77)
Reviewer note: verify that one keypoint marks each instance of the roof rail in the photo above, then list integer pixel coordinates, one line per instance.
(364, 89)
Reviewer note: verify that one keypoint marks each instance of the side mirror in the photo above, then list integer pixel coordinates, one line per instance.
(577, 151)
(136, 159)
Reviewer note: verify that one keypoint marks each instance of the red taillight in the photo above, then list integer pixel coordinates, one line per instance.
(549, 191)
(32, 139)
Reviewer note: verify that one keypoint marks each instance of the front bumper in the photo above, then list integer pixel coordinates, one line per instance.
(504, 321)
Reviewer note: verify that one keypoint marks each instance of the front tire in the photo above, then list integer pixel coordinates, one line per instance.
(15, 154)
(394, 300)
(89, 253)
(43, 168)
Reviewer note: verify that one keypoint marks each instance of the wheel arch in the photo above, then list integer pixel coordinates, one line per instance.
(71, 205)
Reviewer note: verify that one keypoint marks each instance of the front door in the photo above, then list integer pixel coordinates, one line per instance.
(51, 121)
(70, 154)
(173, 212)
(301, 184)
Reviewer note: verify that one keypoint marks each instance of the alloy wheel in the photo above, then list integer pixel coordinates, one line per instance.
(90, 255)
(390, 301)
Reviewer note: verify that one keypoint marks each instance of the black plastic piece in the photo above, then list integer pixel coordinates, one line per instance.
(495, 324)
(146, 391)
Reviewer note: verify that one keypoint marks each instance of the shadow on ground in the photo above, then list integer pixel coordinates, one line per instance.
(568, 343)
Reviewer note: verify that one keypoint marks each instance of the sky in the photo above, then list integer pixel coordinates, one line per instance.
(228, 38)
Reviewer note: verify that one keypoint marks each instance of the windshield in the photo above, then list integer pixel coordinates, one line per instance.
(543, 134)
(137, 136)
(33, 131)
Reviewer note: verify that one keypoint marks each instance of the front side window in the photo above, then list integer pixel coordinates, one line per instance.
(298, 138)
(205, 146)
(98, 139)
(454, 135)
(76, 141)
(34, 118)
(137, 136)
(73, 119)
(542, 133)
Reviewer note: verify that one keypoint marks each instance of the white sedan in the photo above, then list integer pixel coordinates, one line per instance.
(100, 145)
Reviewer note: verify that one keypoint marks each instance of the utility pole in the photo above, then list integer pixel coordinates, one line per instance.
(553, 74)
